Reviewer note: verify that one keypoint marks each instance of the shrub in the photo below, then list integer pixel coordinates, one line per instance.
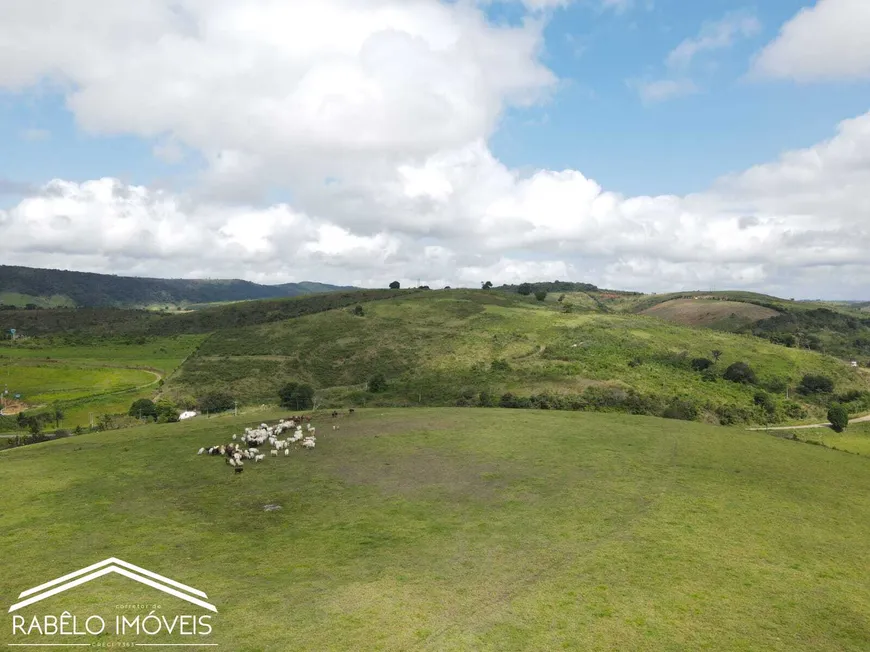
(60, 434)
(740, 372)
(811, 384)
(358, 311)
(298, 396)
(716, 353)
(776, 385)
(730, 414)
(216, 401)
(377, 383)
(508, 400)
(838, 416)
(525, 289)
(700, 364)
(143, 407)
(167, 411)
(540, 295)
(485, 399)
(680, 408)
(794, 410)
(499, 365)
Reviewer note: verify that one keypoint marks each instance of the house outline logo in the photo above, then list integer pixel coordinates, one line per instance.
(106, 567)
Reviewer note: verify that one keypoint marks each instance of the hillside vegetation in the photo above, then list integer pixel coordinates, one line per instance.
(45, 288)
(722, 315)
(473, 348)
(86, 325)
(453, 529)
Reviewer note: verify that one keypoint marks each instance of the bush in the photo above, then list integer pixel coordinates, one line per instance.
(143, 407)
(682, 409)
(297, 396)
(508, 400)
(794, 410)
(776, 385)
(730, 414)
(485, 399)
(525, 289)
(358, 311)
(811, 384)
(377, 383)
(216, 401)
(167, 411)
(700, 364)
(499, 365)
(838, 416)
(740, 372)
(540, 295)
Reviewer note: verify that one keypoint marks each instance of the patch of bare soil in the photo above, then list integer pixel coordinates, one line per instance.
(428, 471)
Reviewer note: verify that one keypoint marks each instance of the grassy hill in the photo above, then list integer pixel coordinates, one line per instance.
(48, 288)
(472, 347)
(709, 313)
(453, 529)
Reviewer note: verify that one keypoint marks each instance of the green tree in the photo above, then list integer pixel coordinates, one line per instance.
(811, 384)
(34, 425)
(740, 372)
(487, 285)
(525, 289)
(166, 411)
(540, 295)
(395, 285)
(377, 383)
(216, 401)
(143, 407)
(296, 396)
(838, 416)
(358, 311)
(57, 414)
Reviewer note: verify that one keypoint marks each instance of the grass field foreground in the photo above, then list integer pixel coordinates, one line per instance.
(457, 529)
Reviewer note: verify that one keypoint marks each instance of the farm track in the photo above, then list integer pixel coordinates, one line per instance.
(863, 419)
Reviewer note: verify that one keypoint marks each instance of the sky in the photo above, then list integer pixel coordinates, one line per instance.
(649, 145)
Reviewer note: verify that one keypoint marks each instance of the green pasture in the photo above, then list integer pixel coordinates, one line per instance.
(855, 438)
(458, 529)
(46, 383)
(162, 354)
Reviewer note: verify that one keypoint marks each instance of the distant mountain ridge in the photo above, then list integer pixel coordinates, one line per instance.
(44, 288)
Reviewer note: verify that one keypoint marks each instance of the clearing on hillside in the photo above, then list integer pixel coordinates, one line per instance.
(709, 313)
(459, 529)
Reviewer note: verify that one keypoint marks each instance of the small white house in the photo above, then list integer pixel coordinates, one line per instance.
(854, 363)
(186, 415)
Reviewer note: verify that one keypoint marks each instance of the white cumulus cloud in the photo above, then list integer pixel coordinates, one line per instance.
(373, 119)
(827, 41)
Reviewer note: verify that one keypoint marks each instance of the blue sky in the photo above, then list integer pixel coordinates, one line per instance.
(595, 122)
(434, 169)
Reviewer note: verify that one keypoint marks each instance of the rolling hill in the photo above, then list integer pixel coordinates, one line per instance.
(469, 347)
(465, 347)
(49, 288)
(710, 313)
(457, 529)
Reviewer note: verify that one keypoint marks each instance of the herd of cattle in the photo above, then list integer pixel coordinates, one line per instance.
(247, 446)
